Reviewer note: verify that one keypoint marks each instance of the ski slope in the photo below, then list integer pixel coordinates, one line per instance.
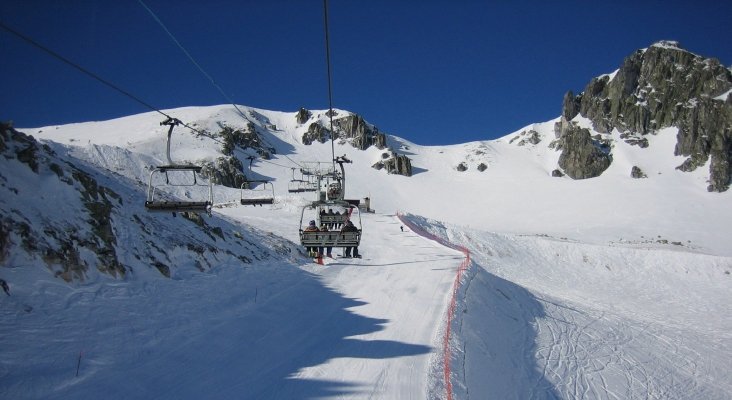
(610, 288)
(355, 328)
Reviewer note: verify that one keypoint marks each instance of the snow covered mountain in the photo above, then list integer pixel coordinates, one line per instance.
(610, 287)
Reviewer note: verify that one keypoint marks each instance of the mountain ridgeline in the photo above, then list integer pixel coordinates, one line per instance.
(654, 88)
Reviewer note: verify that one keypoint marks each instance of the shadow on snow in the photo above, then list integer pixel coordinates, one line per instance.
(499, 320)
(247, 350)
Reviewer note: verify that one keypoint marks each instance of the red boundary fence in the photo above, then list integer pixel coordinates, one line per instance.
(446, 354)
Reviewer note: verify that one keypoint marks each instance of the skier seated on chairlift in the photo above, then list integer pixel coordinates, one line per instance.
(312, 251)
(329, 249)
(334, 191)
(331, 213)
(349, 227)
(337, 225)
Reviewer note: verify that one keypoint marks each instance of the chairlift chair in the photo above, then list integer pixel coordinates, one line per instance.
(334, 238)
(252, 194)
(156, 201)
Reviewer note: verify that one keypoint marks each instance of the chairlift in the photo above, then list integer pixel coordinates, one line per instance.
(317, 168)
(176, 175)
(301, 185)
(256, 193)
(331, 238)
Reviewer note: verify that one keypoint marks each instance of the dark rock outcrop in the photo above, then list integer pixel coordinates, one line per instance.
(243, 138)
(79, 221)
(362, 134)
(637, 173)
(59, 244)
(397, 164)
(226, 171)
(665, 86)
(303, 116)
(582, 157)
(316, 133)
(352, 128)
(527, 137)
(462, 167)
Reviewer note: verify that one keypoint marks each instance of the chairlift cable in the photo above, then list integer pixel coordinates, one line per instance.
(113, 86)
(98, 78)
(204, 73)
(330, 85)
(80, 68)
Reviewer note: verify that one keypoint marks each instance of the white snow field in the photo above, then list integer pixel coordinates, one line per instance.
(607, 288)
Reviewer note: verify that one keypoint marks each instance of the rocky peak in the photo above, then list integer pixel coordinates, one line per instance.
(362, 134)
(663, 86)
(353, 127)
(303, 116)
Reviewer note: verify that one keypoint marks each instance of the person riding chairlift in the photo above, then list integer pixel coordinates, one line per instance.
(349, 227)
(312, 251)
(329, 249)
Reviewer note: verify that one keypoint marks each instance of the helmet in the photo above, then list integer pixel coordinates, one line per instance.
(312, 222)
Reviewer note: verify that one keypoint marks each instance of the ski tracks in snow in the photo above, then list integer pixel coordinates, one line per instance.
(548, 343)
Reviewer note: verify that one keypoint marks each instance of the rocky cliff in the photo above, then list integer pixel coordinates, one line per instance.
(654, 88)
(352, 127)
(83, 223)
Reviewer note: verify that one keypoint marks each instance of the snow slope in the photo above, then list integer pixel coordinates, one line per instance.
(605, 288)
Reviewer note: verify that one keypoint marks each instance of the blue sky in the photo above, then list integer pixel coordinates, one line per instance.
(434, 72)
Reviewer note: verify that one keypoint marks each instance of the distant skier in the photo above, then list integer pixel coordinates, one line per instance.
(402, 228)
(5, 286)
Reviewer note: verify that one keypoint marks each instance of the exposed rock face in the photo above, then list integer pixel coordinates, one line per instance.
(665, 86)
(396, 164)
(316, 133)
(363, 135)
(482, 167)
(634, 140)
(59, 244)
(226, 171)
(303, 116)
(570, 106)
(244, 138)
(582, 157)
(557, 173)
(462, 167)
(67, 217)
(637, 173)
(527, 137)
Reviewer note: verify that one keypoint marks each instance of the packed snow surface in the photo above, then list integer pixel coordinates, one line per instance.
(608, 288)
